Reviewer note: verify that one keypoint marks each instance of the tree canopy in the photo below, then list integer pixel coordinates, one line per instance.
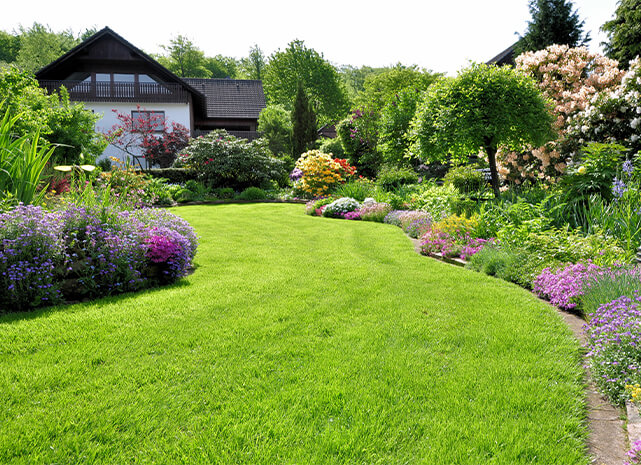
(253, 65)
(320, 80)
(184, 58)
(483, 108)
(553, 22)
(624, 32)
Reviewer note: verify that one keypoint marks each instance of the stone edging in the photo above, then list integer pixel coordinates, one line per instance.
(634, 422)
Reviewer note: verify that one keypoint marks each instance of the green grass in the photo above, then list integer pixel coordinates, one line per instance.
(298, 340)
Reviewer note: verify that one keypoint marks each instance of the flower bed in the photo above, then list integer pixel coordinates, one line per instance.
(48, 257)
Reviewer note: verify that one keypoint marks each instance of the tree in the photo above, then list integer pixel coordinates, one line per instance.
(184, 59)
(9, 47)
(393, 143)
(59, 121)
(148, 136)
(299, 64)
(354, 78)
(303, 123)
(222, 67)
(254, 65)
(275, 123)
(39, 46)
(624, 32)
(553, 22)
(483, 108)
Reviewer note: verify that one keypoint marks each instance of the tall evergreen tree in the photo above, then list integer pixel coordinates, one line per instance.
(553, 22)
(624, 32)
(303, 123)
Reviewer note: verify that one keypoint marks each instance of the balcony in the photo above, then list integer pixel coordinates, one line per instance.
(144, 92)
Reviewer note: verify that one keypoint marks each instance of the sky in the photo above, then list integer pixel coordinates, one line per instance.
(442, 36)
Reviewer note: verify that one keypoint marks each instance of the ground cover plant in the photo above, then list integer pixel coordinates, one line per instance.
(278, 352)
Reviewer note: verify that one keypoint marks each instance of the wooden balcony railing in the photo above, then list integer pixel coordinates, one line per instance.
(120, 91)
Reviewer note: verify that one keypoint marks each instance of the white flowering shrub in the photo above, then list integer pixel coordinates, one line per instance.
(612, 116)
(338, 208)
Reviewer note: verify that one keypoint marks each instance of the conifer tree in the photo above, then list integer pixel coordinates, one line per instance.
(303, 123)
(624, 32)
(553, 22)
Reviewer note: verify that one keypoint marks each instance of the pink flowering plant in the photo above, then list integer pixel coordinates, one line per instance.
(569, 78)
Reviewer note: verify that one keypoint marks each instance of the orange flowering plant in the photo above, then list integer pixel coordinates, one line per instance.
(318, 173)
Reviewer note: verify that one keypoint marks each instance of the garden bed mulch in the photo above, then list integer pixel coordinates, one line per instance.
(607, 439)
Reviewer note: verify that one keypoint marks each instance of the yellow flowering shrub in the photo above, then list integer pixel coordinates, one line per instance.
(321, 173)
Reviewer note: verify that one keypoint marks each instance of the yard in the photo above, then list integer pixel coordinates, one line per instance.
(296, 340)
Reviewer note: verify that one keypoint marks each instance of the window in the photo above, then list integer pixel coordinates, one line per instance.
(123, 77)
(155, 118)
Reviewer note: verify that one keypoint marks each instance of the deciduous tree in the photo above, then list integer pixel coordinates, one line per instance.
(184, 58)
(483, 108)
(299, 64)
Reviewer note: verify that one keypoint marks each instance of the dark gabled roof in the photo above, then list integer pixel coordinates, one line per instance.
(107, 32)
(231, 98)
(506, 57)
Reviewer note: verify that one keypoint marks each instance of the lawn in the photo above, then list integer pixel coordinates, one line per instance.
(298, 340)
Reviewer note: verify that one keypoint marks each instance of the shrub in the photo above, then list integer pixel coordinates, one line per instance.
(490, 260)
(222, 160)
(465, 179)
(320, 173)
(338, 208)
(252, 193)
(224, 193)
(332, 147)
(172, 175)
(392, 177)
(394, 217)
(436, 200)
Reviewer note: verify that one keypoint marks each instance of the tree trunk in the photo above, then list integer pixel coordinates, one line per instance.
(491, 157)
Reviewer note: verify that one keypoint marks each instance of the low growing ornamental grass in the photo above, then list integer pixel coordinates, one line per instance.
(297, 340)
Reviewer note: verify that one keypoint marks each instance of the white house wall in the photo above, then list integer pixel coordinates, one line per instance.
(176, 112)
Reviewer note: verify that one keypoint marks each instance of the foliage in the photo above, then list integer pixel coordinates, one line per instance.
(299, 64)
(253, 66)
(222, 160)
(392, 177)
(484, 107)
(78, 252)
(465, 179)
(57, 119)
(22, 161)
(303, 123)
(184, 58)
(608, 286)
(172, 175)
(252, 193)
(358, 135)
(9, 47)
(340, 207)
(396, 116)
(321, 173)
(316, 207)
(357, 188)
(221, 67)
(437, 200)
(553, 22)
(562, 287)
(569, 77)
(275, 125)
(624, 34)
(593, 172)
(147, 136)
(332, 146)
(381, 88)
(39, 46)
(611, 116)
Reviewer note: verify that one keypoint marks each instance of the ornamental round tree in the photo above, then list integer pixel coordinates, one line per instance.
(483, 108)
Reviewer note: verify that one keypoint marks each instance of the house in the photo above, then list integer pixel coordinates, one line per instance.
(106, 73)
